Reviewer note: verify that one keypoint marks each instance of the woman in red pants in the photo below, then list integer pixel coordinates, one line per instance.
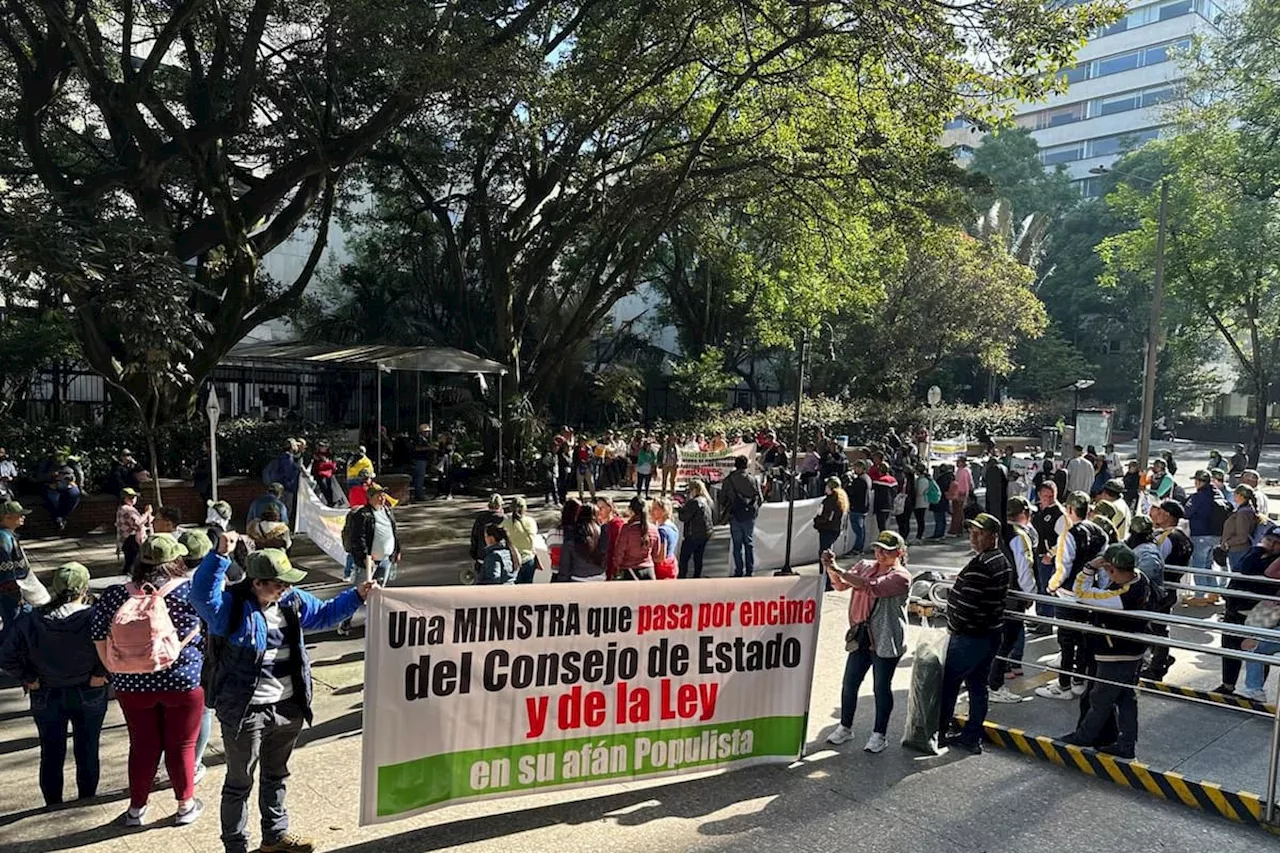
(148, 636)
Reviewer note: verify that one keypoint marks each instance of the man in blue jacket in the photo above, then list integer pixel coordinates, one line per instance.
(260, 680)
(1202, 507)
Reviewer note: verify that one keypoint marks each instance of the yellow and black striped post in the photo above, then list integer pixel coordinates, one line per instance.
(1239, 806)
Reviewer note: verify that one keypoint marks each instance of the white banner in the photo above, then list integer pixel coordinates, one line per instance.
(948, 449)
(481, 692)
(712, 467)
(323, 524)
(771, 536)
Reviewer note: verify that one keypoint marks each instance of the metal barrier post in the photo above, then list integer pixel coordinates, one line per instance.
(1270, 814)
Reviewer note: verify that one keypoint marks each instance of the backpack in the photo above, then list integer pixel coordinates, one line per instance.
(935, 492)
(1178, 494)
(350, 530)
(142, 637)
(1221, 512)
(742, 508)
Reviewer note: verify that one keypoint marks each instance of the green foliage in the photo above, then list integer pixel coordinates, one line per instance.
(1009, 161)
(29, 342)
(245, 445)
(1047, 366)
(620, 390)
(702, 384)
(867, 420)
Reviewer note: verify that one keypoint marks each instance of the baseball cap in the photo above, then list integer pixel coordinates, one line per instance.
(276, 489)
(984, 521)
(1018, 505)
(127, 492)
(222, 508)
(1141, 525)
(1114, 486)
(196, 542)
(272, 564)
(161, 548)
(1203, 476)
(1107, 510)
(69, 577)
(1218, 474)
(1078, 501)
(1106, 526)
(1244, 490)
(376, 489)
(13, 508)
(1173, 508)
(888, 540)
(495, 501)
(1121, 556)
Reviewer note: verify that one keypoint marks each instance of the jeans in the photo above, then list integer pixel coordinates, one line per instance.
(527, 570)
(206, 732)
(267, 738)
(827, 539)
(691, 550)
(61, 503)
(855, 670)
(742, 538)
(919, 514)
(419, 479)
(1107, 704)
(858, 524)
(939, 523)
(52, 708)
(129, 549)
(1012, 635)
(1044, 574)
(1255, 674)
(1202, 558)
(968, 664)
(643, 481)
(586, 482)
(158, 723)
(882, 521)
(1231, 666)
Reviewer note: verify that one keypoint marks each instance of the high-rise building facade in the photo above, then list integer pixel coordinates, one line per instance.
(1119, 89)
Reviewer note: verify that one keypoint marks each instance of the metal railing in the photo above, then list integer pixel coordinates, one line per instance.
(938, 587)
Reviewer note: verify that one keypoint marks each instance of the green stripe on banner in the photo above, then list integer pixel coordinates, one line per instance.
(522, 767)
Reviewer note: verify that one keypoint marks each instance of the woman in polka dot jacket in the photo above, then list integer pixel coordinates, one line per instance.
(161, 709)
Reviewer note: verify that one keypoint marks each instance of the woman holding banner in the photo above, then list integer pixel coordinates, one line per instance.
(877, 633)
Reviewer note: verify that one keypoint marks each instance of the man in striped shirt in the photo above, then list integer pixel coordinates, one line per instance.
(975, 614)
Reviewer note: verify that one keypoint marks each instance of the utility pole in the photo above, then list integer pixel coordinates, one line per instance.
(791, 479)
(1153, 335)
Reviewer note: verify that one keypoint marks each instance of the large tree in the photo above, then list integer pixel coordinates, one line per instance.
(1222, 258)
(213, 132)
(548, 197)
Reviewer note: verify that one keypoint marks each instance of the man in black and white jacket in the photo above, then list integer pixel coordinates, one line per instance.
(975, 615)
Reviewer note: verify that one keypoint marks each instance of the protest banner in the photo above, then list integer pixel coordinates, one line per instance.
(323, 524)
(474, 693)
(948, 449)
(712, 467)
(771, 536)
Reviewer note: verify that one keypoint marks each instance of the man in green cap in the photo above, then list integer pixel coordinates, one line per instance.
(19, 586)
(1113, 582)
(1113, 493)
(131, 525)
(1081, 543)
(260, 682)
(975, 614)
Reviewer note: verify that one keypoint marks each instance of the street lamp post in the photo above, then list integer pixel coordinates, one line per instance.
(214, 410)
(1153, 331)
(791, 482)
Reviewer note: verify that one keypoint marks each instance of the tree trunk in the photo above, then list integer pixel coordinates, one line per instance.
(1261, 395)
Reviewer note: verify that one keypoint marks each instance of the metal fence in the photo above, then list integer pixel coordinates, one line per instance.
(936, 597)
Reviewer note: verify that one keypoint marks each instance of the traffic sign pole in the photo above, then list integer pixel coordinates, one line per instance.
(214, 411)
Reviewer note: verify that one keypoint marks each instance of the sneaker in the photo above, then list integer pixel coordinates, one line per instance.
(133, 817)
(190, 814)
(1224, 689)
(973, 747)
(876, 743)
(200, 771)
(1054, 691)
(1005, 696)
(840, 735)
(288, 843)
(1252, 694)
(1117, 751)
(1079, 689)
(344, 627)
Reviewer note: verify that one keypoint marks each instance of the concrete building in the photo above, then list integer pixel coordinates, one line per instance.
(1120, 87)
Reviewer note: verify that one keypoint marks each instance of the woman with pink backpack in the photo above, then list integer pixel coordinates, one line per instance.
(148, 636)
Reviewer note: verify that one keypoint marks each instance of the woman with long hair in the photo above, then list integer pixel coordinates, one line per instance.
(50, 649)
(521, 530)
(661, 512)
(877, 636)
(698, 517)
(829, 522)
(500, 557)
(582, 557)
(637, 545)
(162, 708)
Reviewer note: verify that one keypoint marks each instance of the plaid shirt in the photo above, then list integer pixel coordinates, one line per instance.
(130, 522)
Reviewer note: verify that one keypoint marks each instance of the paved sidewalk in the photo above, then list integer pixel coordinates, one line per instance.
(837, 799)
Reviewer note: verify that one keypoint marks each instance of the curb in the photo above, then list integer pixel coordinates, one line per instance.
(1238, 806)
(1208, 696)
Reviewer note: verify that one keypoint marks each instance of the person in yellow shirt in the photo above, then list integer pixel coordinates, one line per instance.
(521, 529)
